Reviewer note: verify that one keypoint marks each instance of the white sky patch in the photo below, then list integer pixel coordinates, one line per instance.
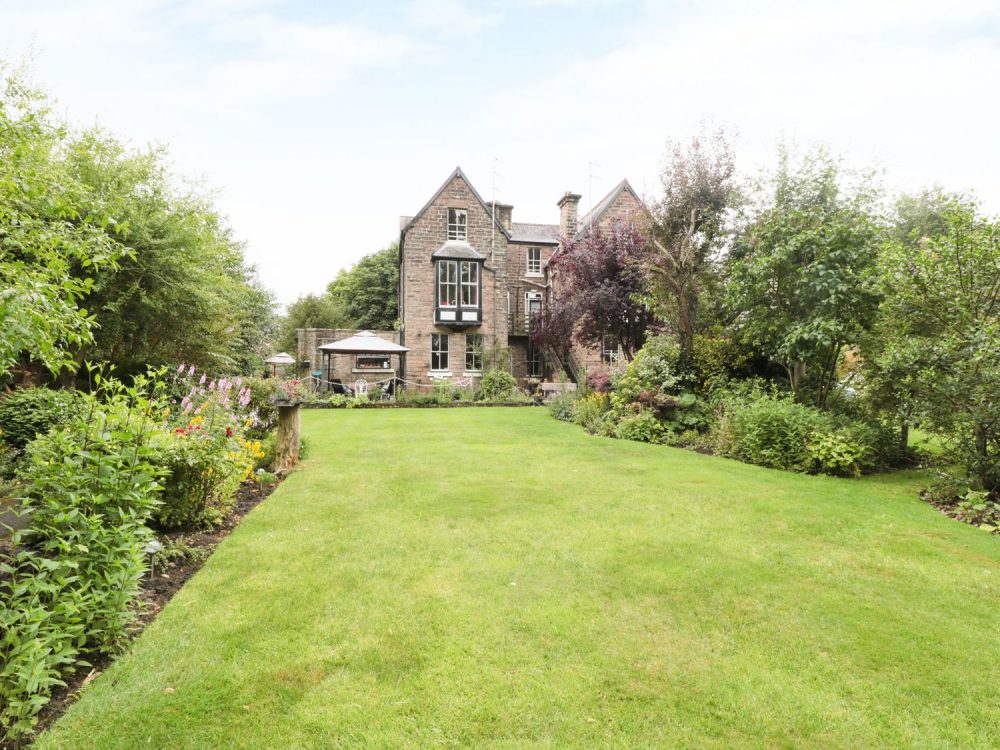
(320, 128)
(452, 17)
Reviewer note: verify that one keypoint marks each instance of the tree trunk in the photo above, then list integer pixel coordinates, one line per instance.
(904, 435)
(981, 454)
(286, 438)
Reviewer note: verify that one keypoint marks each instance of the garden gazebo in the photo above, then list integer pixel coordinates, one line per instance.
(372, 357)
(281, 359)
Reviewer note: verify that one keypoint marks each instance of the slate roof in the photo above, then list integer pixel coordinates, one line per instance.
(460, 250)
(539, 234)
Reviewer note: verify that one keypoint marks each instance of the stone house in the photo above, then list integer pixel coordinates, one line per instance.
(471, 278)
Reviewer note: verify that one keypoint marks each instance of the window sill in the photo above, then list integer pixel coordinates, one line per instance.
(439, 374)
(472, 374)
(535, 275)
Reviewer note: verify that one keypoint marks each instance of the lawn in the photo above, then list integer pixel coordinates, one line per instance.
(495, 578)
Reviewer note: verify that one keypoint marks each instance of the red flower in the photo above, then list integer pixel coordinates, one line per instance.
(179, 430)
(229, 432)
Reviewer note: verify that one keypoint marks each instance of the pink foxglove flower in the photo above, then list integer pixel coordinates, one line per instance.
(191, 371)
(211, 386)
(204, 377)
(180, 368)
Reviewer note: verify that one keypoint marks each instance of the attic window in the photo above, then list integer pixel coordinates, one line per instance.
(457, 224)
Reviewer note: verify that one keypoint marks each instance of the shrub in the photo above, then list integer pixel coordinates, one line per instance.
(588, 412)
(498, 385)
(770, 431)
(652, 370)
(644, 427)
(561, 406)
(836, 453)
(205, 454)
(600, 379)
(68, 591)
(261, 407)
(29, 412)
(203, 472)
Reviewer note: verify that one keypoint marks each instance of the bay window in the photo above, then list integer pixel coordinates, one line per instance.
(447, 283)
(458, 294)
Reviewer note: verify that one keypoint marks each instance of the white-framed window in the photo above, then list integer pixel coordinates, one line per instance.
(439, 351)
(458, 220)
(473, 352)
(447, 283)
(532, 306)
(534, 261)
(458, 280)
(470, 283)
(610, 351)
(536, 363)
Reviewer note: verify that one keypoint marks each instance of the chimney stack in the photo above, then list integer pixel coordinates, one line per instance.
(568, 205)
(505, 213)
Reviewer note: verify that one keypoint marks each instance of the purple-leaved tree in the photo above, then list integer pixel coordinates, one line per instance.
(598, 283)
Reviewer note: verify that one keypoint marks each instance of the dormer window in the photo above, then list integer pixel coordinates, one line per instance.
(534, 261)
(458, 219)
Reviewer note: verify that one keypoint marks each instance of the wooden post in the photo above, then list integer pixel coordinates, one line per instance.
(286, 439)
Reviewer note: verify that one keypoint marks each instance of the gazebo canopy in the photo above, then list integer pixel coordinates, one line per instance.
(363, 342)
(281, 358)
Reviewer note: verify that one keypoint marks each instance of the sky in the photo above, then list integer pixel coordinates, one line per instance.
(317, 124)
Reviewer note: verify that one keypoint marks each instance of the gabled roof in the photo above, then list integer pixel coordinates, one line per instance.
(457, 173)
(539, 234)
(594, 215)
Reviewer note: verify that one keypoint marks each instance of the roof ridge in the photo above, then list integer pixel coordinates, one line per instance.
(458, 173)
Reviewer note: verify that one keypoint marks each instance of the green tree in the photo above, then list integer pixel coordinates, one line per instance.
(184, 292)
(688, 224)
(891, 363)
(51, 242)
(310, 311)
(942, 318)
(369, 291)
(801, 271)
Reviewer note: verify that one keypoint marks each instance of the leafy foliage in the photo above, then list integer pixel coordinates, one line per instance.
(51, 243)
(688, 225)
(497, 385)
(104, 257)
(600, 281)
(561, 406)
(773, 432)
(940, 341)
(29, 412)
(67, 591)
(801, 274)
(368, 292)
(311, 311)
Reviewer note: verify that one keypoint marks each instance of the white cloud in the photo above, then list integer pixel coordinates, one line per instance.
(452, 17)
(321, 127)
